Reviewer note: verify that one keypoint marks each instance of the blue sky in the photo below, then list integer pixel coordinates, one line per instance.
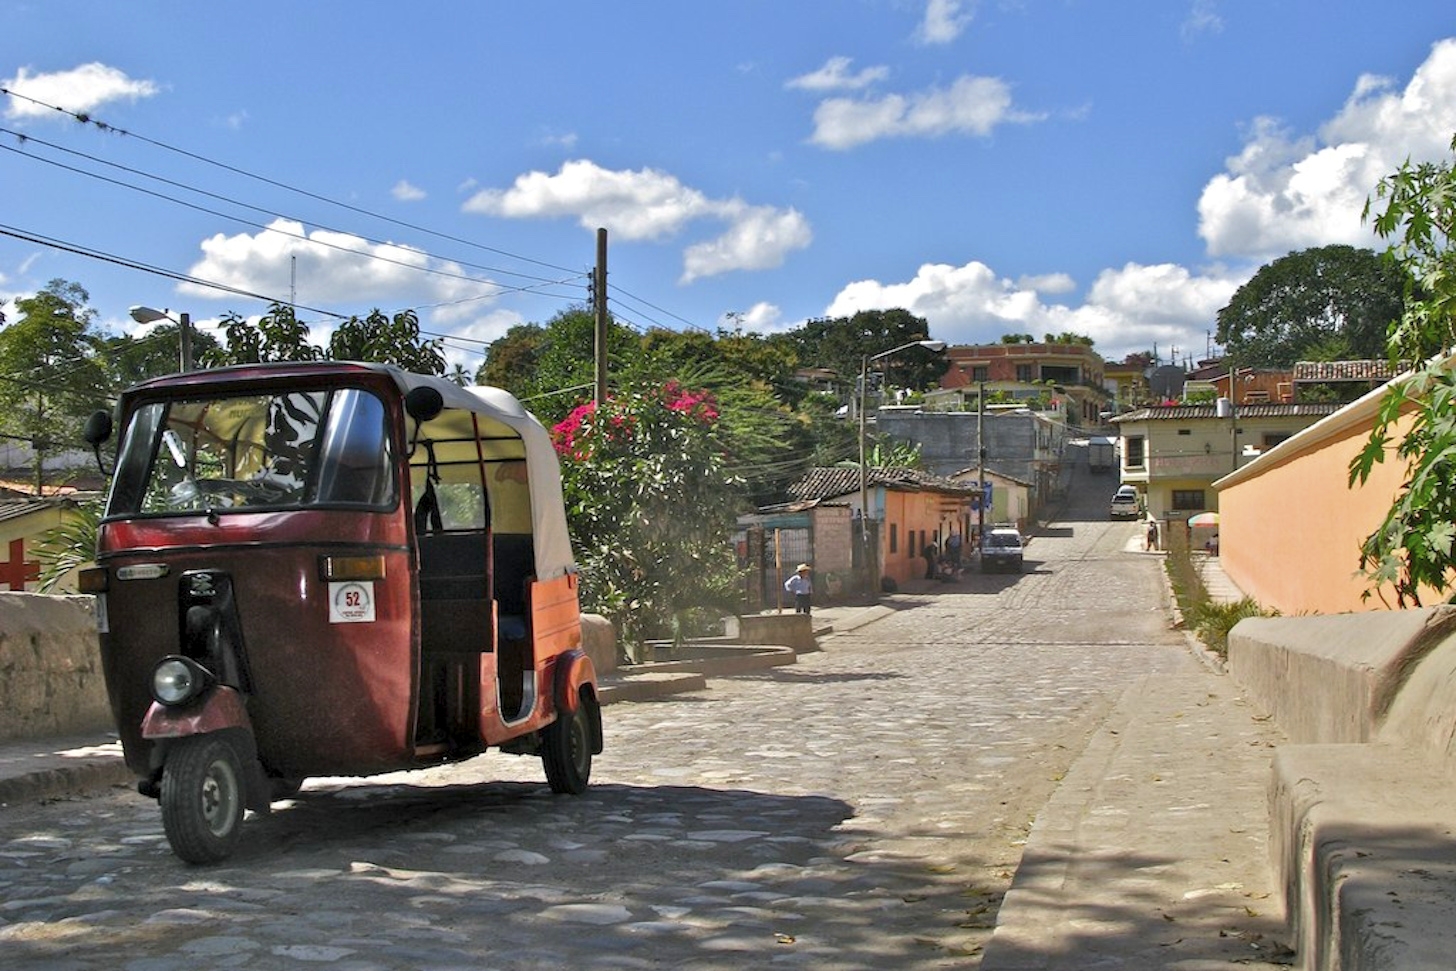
(1116, 169)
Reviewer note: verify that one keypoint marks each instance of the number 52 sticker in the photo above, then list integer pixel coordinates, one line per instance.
(351, 602)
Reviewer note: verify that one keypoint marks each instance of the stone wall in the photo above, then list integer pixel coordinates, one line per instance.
(50, 667)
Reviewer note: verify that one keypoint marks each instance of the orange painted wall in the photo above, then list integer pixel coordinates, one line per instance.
(1291, 527)
(914, 512)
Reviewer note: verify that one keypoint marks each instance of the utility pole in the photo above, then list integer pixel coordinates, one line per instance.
(599, 293)
(981, 465)
(184, 333)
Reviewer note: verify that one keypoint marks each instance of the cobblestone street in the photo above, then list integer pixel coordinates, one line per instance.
(863, 808)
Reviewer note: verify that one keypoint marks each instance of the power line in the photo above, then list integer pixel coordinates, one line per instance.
(79, 250)
(271, 229)
(538, 286)
(104, 126)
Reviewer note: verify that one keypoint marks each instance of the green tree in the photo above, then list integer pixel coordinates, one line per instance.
(277, 336)
(52, 375)
(842, 343)
(650, 508)
(511, 357)
(1068, 337)
(549, 365)
(1413, 547)
(388, 340)
(1334, 301)
(128, 359)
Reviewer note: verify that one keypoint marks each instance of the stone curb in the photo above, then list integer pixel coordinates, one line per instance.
(100, 773)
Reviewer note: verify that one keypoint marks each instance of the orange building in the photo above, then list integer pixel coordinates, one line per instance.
(908, 510)
(1291, 526)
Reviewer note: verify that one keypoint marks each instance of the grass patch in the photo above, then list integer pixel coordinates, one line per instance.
(1211, 620)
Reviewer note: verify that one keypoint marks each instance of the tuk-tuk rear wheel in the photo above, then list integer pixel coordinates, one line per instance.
(566, 750)
(202, 798)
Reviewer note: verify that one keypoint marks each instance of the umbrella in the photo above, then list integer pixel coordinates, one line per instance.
(1203, 519)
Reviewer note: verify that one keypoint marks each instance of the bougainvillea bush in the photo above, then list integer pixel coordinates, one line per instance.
(650, 507)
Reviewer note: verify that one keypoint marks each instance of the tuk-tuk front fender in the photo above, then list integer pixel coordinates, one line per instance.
(221, 709)
(221, 712)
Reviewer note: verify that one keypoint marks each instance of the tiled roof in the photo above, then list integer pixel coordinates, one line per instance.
(1316, 409)
(1342, 371)
(825, 483)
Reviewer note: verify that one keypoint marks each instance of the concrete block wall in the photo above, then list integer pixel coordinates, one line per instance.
(50, 667)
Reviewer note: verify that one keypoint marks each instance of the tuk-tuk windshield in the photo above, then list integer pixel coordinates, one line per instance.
(272, 450)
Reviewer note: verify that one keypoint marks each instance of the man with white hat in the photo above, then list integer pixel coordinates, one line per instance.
(801, 585)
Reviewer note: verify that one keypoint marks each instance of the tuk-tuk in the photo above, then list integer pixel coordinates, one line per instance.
(337, 569)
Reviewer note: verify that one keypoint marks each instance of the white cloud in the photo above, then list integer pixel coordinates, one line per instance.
(835, 76)
(81, 89)
(758, 238)
(1203, 18)
(1283, 193)
(329, 268)
(406, 192)
(1130, 309)
(649, 205)
(645, 204)
(761, 318)
(943, 22)
(970, 106)
(470, 330)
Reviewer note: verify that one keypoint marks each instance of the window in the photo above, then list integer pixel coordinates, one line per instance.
(894, 538)
(266, 450)
(1025, 373)
(1135, 452)
(1188, 500)
(1271, 439)
(980, 373)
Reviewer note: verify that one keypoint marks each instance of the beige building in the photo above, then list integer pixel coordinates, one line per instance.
(1174, 454)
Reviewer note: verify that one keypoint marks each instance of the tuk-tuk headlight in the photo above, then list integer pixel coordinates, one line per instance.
(179, 680)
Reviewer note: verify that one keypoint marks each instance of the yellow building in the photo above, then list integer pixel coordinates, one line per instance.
(1174, 454)
(23, 521)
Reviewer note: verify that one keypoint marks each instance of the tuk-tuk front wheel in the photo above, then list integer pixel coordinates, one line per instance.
(566, 749)
(202, 798)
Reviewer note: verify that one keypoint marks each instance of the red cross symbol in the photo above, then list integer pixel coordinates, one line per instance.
(18, 570)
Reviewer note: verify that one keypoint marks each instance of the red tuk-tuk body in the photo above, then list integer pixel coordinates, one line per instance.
(332, 569)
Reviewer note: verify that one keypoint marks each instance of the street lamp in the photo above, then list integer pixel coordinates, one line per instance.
(147, 315)
(864, 370)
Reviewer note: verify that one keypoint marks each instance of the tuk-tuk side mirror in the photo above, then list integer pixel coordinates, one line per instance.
(98, 428)
(422, 404)
(96, 431)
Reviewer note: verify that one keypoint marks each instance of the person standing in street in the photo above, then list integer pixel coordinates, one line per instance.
(1152, 543)
(801, 585)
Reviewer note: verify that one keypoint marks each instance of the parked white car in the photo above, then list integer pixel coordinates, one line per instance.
(1001, 549)
(1125, 503)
